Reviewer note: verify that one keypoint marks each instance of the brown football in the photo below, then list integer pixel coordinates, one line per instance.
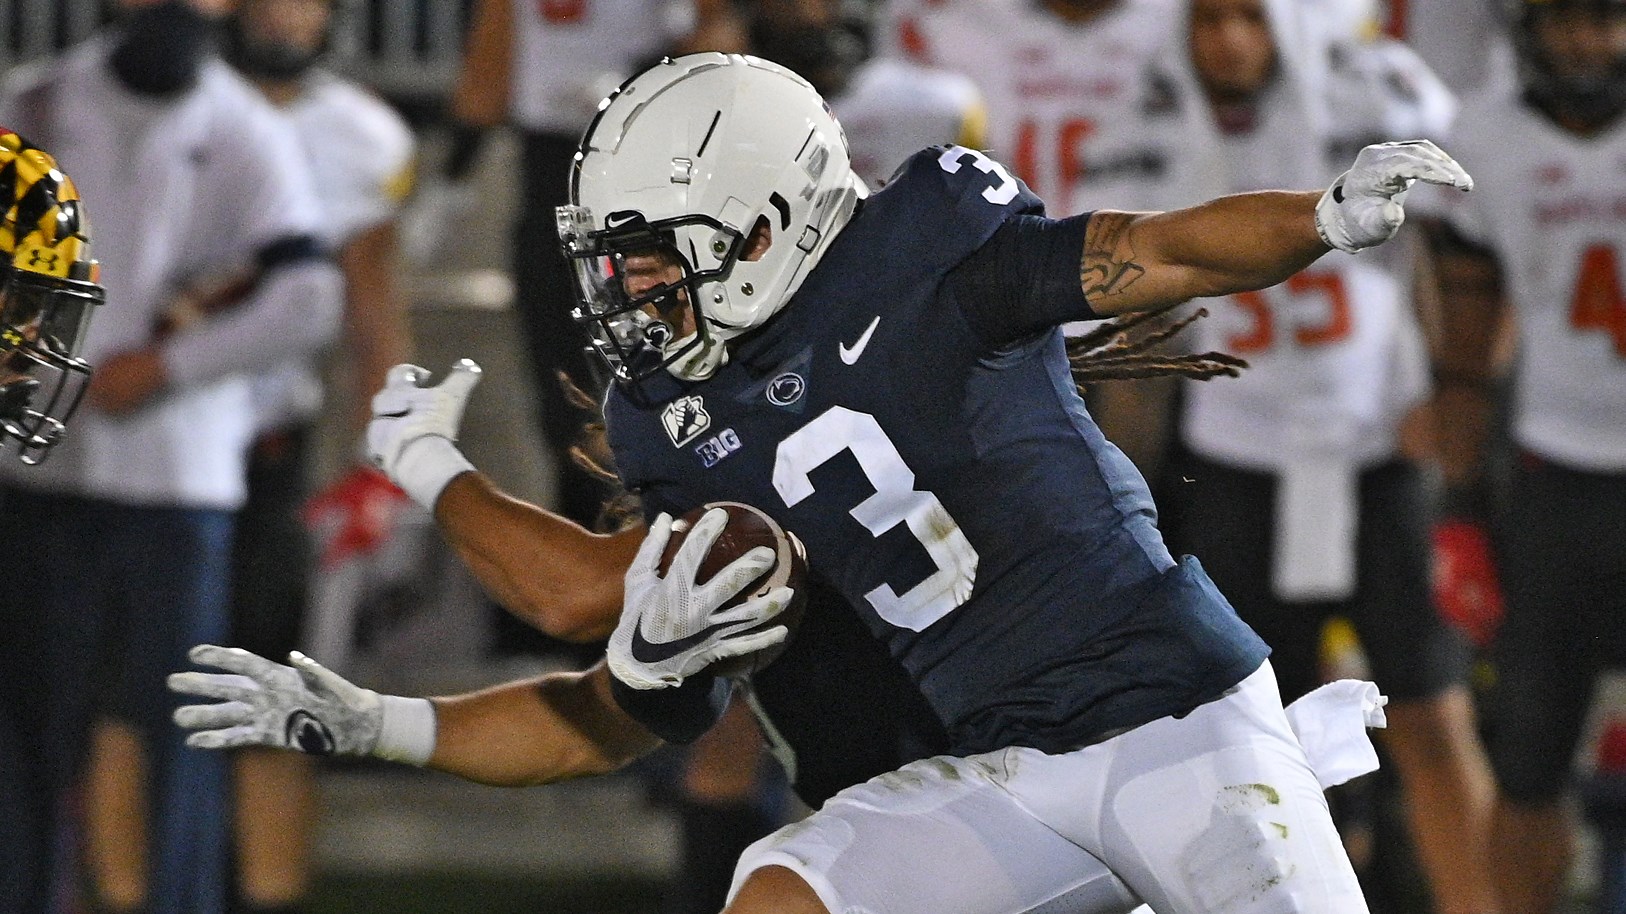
(748, 528)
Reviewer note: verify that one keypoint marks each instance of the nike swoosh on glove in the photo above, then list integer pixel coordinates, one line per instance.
(673, 627)
(1365, 206)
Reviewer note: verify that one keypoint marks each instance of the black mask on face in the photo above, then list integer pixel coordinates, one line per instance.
(161, 48)
(823, 55)
(261, 58)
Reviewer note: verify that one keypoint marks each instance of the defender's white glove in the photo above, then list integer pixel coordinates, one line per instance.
(1366, 205)
(413, 429)
(305, 707)
(671, 627)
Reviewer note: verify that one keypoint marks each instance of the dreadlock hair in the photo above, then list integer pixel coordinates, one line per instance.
(592, 453)
(1111, 353)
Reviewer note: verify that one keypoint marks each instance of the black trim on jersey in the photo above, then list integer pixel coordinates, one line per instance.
(290, 250)
(1024, 280)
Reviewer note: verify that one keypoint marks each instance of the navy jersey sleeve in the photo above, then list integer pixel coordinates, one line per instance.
(1024, 279)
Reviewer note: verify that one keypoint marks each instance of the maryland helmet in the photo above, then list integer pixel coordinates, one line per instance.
(689, 158)
(48, 293)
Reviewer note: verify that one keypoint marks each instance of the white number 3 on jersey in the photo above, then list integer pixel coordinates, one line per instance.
(1001, 193)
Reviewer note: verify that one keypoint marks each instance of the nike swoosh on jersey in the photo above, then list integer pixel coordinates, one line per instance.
(402, 414)
(646, 651)
(850, 354)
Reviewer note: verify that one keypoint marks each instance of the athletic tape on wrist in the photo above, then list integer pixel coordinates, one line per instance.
(426, 466)
(407, 732)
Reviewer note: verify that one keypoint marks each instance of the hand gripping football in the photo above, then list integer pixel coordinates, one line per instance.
(748, 528)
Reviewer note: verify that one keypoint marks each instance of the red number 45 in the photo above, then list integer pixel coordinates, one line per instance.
(1600, 303)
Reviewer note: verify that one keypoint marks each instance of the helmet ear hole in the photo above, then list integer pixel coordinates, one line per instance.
(759, 241)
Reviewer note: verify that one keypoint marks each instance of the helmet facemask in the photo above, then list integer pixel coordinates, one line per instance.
(43, 322)
(48, 293)
(640, 294)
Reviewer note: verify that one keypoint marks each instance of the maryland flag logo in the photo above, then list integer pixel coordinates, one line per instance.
(42, 228)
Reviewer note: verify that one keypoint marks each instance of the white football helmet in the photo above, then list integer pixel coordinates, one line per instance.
(686, 158)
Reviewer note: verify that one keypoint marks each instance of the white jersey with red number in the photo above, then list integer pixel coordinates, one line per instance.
(1063, 99)
(892, 109)
(1335, 354)
(1552, 206)
(568, 54)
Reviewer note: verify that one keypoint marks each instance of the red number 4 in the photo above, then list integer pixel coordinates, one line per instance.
(1600, 303)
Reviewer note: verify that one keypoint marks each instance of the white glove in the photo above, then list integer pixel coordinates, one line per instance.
(671, 627)
(305, 707)
(1365, 206)
(413, 429)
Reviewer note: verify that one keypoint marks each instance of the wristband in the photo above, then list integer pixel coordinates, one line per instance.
(407, 733)
(426, 466)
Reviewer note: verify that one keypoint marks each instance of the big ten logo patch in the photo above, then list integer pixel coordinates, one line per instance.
(718, 446)
(684, 419)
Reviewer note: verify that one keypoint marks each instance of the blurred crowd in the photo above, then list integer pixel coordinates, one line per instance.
(1420, 478)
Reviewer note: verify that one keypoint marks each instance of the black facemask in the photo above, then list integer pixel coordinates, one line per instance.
(162, 48)
(259, 58)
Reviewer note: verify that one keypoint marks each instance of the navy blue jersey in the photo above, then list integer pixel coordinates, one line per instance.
(946, 477)
(839, 710)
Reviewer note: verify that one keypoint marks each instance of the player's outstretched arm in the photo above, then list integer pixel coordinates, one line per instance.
(534, 731)
(1147, 261)
(552, 573)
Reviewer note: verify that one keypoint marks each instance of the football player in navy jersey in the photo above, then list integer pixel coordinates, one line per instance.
(883, 375)
(913, 420)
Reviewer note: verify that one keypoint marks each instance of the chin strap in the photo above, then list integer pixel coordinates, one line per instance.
(702, 361)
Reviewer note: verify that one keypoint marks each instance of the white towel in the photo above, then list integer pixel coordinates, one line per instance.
(1331, 724)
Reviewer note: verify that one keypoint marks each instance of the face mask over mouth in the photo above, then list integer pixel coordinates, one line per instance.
(162, 48)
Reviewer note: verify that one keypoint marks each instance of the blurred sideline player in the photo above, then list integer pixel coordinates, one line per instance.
(129, 527)
(1548, 242)
(889, 106)
(1290, 482)
(360, 155)
(48, 295)
(1046, 615)
(1063, 82)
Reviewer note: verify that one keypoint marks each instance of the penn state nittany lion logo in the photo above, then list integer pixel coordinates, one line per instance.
(308, 734)
(685, 418)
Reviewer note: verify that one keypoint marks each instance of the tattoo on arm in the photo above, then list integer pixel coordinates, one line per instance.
(1108, 266)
